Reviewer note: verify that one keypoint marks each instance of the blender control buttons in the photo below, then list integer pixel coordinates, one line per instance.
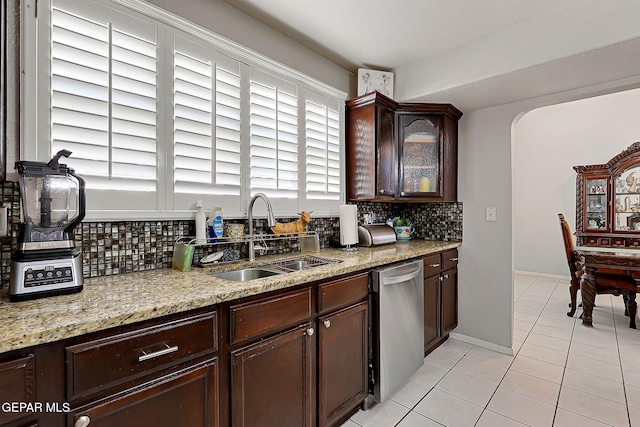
(48, 275)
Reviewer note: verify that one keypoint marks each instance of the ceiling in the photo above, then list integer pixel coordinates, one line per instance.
(463, 49)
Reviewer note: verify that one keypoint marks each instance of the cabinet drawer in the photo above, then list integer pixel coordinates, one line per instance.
(254, 318)
(450, 259)
(17, 386)
(343, 292)
(618, 241)
(633, 243)
(104, 363)
(591, 241)
(432, 265)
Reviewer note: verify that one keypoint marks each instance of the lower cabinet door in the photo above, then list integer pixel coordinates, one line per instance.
(17, 387)
(272, 381)
(187, 398)
(431, 312)
(343, 355)
(449, 300)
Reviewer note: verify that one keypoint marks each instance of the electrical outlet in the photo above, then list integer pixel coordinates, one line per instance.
(491, 214)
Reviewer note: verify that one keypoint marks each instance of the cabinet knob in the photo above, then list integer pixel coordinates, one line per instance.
(381, 191)
(402, 193)
(446, 276)
(310, 331)
(327, 323)
(83, 421)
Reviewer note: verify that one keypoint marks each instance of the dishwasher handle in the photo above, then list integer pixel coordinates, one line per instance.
(401, 279)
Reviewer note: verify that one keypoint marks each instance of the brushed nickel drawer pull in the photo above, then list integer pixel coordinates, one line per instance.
(147, 356)
(434, 265)
(453, 259)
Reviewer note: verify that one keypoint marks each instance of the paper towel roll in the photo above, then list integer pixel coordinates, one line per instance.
(348, 224)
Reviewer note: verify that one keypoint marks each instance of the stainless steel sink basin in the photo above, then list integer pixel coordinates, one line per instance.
(295, 265)
(246, 274)
(301, 262)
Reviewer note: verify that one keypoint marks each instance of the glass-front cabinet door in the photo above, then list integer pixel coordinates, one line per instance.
(627, 200)
(420, 162)
(596, 198)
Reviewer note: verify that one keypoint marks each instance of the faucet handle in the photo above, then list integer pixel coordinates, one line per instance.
(261, 246)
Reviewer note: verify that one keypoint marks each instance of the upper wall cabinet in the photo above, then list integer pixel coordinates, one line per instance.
(401, 151)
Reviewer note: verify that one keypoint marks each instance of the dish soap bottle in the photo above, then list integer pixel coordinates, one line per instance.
(216, 225)
(201, 223)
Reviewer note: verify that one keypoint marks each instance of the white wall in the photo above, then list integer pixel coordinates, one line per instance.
(548, 142)
(485, 179)
(229, 22)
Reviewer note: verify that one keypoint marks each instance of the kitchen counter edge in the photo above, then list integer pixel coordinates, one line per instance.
(117, 300)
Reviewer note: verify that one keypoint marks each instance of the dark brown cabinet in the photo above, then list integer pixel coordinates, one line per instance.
(18, 387)
(186, 398)
(298, 360)
(343, 347)
(164, 374)
(272, 371)
(272, 380)
(608, 201)
(401, 151)
(163, 371)
(342, 358)
(440, 297)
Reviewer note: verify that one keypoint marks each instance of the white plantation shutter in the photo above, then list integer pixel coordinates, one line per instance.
(103, 83)
(273, 139)
(104, 100)
(322, 148)
(206, 122)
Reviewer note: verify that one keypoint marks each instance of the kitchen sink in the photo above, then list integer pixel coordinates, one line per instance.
(272, 268)
(246, 274)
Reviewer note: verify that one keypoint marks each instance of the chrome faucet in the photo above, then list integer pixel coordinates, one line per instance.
(271, 221)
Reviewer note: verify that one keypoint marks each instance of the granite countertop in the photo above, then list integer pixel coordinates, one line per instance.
(116, 300)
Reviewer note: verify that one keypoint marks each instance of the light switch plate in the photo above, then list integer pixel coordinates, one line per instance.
(491, 214)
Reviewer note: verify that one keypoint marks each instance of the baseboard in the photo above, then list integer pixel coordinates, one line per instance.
(550, 276)
(481, 343)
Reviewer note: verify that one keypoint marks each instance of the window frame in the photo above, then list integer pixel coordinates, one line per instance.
(36, 42)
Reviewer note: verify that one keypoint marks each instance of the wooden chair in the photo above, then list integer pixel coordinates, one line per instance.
(614, 284)
(574, 269)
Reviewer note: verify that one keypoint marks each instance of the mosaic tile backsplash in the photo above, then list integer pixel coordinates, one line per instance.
(128, 246)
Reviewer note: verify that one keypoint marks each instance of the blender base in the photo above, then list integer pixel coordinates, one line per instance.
(38, 275)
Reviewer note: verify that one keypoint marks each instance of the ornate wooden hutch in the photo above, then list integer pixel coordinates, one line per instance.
(608, 201)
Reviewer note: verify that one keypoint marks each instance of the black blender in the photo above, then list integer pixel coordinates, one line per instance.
(46, 261)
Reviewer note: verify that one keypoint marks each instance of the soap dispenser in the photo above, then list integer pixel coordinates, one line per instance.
(201, 223)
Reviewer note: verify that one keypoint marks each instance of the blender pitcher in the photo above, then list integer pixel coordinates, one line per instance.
(50, 213)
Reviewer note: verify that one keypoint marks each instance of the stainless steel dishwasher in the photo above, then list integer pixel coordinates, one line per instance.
(397, 350)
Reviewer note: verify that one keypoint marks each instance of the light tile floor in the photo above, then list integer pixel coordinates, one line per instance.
(562, 374)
